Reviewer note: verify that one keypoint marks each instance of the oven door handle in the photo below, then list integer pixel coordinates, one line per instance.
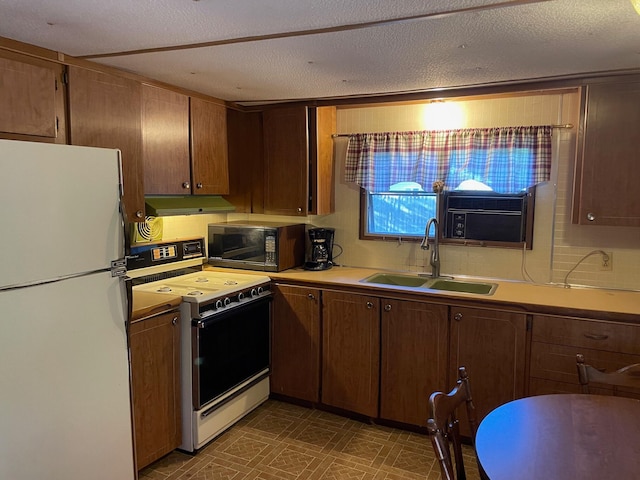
(219, 316)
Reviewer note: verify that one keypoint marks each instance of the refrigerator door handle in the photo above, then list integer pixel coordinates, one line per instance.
(119, 267)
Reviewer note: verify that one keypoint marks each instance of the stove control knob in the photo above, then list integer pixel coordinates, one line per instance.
(218, 303)
(227, 301)
(254, 292)
(240, 296)
(260, 290)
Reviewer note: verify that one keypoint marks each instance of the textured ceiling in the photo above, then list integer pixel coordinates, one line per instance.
(408, 46)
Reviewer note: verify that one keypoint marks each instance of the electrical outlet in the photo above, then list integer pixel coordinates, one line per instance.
(606, 265)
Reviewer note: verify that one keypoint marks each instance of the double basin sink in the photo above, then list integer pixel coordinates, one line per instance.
(441, 283)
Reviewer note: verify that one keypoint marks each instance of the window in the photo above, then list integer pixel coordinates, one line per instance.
(401, 212)
(396, 172)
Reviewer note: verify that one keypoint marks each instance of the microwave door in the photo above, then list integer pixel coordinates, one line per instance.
(244, 245)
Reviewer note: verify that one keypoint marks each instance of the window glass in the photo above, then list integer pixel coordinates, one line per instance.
(404, 209)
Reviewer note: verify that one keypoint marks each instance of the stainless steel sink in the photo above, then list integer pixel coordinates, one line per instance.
(464, 286)
(396, 279)
(445, 284)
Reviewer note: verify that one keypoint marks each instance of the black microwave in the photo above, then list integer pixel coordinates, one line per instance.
(485, 216)
(266, 246)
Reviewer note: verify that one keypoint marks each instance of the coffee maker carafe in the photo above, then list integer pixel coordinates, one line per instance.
(320, 253)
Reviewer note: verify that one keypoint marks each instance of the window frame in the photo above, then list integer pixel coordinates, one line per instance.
(527, 244)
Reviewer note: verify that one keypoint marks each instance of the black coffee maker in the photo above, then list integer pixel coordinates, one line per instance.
(320, 252)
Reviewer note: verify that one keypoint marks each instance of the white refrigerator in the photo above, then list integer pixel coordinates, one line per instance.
(65, 404)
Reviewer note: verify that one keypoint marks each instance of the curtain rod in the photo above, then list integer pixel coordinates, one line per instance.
(336, 135)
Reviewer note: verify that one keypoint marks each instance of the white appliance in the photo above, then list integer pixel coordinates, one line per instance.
(225, 342)
(65, 404)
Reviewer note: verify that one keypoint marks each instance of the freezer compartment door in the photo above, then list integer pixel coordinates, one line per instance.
(59, 207)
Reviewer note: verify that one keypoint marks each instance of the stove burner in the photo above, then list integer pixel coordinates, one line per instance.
(230, 282)
(195, 293)
(202, 280)
(164, 289)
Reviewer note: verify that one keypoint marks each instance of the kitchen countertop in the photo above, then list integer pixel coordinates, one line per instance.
(146, 304)
(586, 302)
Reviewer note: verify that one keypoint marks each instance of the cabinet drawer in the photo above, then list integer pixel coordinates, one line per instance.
(557, 363)
(591, 334)
(540, 386)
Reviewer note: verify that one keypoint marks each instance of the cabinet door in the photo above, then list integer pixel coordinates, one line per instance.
(351, 352)
(165, 142)
(246, 161)
(286, 158)
(414, 348)
(209, 155)
(155, 378)
(322, 122)
(32, 99)
(491, 344)
(106, 111)
(607, 169)
(295, 345)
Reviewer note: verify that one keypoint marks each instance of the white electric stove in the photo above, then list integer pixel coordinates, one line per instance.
(225, 335)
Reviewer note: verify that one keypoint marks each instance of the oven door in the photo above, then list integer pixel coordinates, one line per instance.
(229, 348)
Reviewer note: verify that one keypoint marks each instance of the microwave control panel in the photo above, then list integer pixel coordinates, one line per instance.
(270, 249)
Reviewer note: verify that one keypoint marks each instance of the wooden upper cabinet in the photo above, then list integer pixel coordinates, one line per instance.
(105, 111)
(322, 182)
(209, 155)
(298, 159)
(608, 166)
(32, 96)
(286, 153)
(165, 142)
(246, 165)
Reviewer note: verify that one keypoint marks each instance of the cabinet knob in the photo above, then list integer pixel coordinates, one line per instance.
(457, 317)
(387, 308)
(369, 305)
(299, 209)
(139, 214)
(186, 185)
(311, 296)
(198, 185)
(591, 217)
(174, 321)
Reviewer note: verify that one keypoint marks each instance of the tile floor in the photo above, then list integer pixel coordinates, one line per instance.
(279, 441)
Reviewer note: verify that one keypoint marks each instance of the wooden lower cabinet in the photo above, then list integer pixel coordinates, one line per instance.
(491, 344)
(414, 348)
(351, 352)
(155, 374)
(556, 341)
(295, 344)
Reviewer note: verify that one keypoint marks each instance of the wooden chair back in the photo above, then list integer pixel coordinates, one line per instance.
(443, 426)
(628, 376)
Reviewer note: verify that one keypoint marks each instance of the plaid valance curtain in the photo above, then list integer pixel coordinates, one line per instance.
(508, 159)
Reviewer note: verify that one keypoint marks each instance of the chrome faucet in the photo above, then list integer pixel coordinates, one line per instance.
(434, 260)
